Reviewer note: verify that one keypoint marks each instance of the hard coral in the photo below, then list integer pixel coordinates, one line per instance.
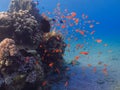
(51, 50)
(17, 70)
(7, 48)
(17, 5)
(32, 52)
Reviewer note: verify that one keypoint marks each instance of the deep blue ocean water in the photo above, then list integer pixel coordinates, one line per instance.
(107, 12)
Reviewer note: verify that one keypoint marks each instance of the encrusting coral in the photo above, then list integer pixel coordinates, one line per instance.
(29, 52)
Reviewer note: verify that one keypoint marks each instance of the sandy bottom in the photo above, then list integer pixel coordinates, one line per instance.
(84, 77)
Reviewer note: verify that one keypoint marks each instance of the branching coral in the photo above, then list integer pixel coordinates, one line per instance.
(25, 25)
(18, 24)
(7, 48)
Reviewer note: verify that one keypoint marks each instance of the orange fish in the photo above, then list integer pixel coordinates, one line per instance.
(76, 21)
(105, 71)
(57, 70)
(77, 30)
(84, 53)
(40, 46)
(63, 26)
(57, 50)
(66, 83)
(68, 17)
(44, 83)
(92, 32)
(45, 51)
(73, 14)
(81, 32)
(94, 69)
(68, 45)
(98, 40)
(89, 65)
(91, 26)
(105, 65)
(51, 64)
(77, 57)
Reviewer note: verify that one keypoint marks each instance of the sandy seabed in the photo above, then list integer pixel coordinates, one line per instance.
(82, 77)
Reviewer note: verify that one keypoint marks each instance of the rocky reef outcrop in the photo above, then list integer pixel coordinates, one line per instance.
(29, 51)
(17, 70)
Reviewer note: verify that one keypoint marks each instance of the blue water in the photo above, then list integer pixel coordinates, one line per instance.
(107, 12)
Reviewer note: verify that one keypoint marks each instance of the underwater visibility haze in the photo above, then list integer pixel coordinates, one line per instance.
(59, 44)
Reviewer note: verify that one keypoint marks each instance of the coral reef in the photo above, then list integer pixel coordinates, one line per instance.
(29, 52)
(17, 70)
(19, 24)
(51, 50)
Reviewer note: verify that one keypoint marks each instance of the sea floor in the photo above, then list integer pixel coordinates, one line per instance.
(88, 73)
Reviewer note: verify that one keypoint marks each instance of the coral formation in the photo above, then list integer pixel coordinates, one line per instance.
(20, 24)
(14, 67)
(29, 52)
(51, 50)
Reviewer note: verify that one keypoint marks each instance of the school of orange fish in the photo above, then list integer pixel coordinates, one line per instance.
(74, 28)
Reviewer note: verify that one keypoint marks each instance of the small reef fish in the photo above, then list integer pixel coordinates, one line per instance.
(44, 83)
(77, 57)
(63, 26)
(94, 69)
(66, 83)
(105, 65)
(51, 64)
(89, 65)
(84, 53)
(92, 32)
(105, 71)
(68, 45)
(98, 40)
(76, 21)
(91, 26)
(73, 14)
(57, 70)
(80, 31)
